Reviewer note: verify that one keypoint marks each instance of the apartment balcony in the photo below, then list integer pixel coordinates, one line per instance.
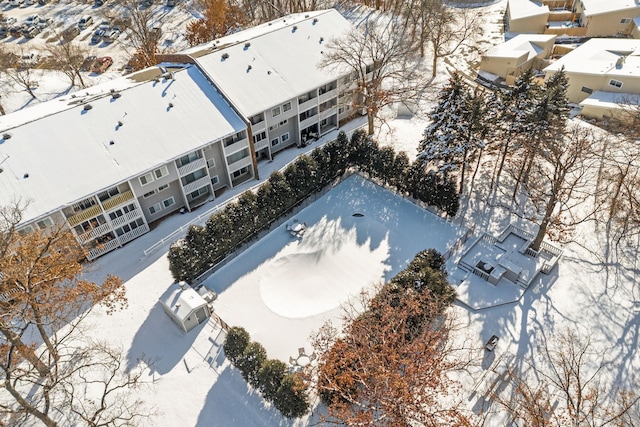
(236, 146)
(93, 233)
(328, 113)
(328, 95)
(117, 200)
(262, 144)
(133, 234)
(308, 104)
(189, 188)
(126, 218)
(102, 249)
(192, 167)
(309, 121)
(245, 161)
(85, 215)
(259, 127)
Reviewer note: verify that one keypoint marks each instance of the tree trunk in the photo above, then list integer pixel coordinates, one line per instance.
(516, 186)
(551, 205)
(434, 64)
(30, 409)
(502, 160)
(25, 351)
(2, 112)
(370, 121)
(464, 169)
(475, 172)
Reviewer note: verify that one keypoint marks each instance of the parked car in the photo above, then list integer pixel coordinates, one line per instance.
(43, 2)
(4, 32)
(101, 64)
(491, 344)
(16, 31)
(8, 20)
(111, 35)
(70, 33)
(104, 25)
(31, 32)
(87, 63)
(16, 3)
(84, 22)
(97, 36)
(32, 20)
(44, 23)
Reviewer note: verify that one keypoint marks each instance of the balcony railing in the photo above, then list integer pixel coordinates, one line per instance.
(328, 95)
(262, 144)
(86, 214)
(127, 237)
(236, 146)
(93, 233)
(245, 161)
(308, 104)
(127, 218)
(196, 184)
(309, 121)
(192, 167)
(102, 249)
(117, 200)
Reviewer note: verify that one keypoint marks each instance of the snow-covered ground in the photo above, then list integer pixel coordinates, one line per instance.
(194, 385)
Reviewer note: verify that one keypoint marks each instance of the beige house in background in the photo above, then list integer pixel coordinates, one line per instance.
(508, 60)
(601, 105)
(603, 71)
(583, 18)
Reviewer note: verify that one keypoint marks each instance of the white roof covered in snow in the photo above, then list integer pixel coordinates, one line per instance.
(532, 44)
(68, 154)
(611, 57)
(519, 9)
(598, 7)
(280, 61)
(182, 302)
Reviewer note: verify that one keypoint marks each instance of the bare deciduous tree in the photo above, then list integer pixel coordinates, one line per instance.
(46, 363)
(381, 61)
(68, 58)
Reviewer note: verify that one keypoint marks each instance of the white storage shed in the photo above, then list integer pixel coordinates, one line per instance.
(185, 306)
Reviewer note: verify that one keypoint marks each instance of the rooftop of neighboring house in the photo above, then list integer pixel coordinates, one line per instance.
(532, 44)
(613, 57)
(612, 100)
(72, 147)
(519, 9)
(598, 7)
(262, 67)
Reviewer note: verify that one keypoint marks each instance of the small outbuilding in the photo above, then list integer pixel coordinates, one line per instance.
(185, 306)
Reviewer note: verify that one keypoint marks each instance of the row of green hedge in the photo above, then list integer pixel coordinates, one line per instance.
(243, 219)
(287, 392)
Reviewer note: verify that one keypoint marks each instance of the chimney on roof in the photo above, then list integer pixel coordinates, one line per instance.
(246, 45)
(315, 21)
(293, 30)
(225, 56)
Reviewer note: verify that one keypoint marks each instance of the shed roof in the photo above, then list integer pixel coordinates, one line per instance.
(182, 301)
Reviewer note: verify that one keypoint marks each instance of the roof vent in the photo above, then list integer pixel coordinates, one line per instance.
(620, 62)
(225, 56)
(315, 21)
(246, 45)
(249, 68)
(26, 175)
(88, 107)
(269, 72)
(111, 142)
(170, 105)
(6, 136)
(321, 39)
(116, 95)
(306, 16)
(293, 30)
(119, 123)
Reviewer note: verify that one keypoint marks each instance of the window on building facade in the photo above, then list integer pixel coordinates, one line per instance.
(106, 195)
(273, 127)
(168, 202)
(240, 172)
(284, 122)
(211, 163)
(163, 187)
(586, 90)
(155, 208)
(275, 141)
(215, 180)
(195, 194)
(84, 204)
(615, 83)
(258, 118)
(146, 179)
(275, 112)
(286, 106)
(259, 137)
(160, 172)
(149, 194)
(626, 20)
(191, 157)
(25, 230)
(284, 137)
(44, 223)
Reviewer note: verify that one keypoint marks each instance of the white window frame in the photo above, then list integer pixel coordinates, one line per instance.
(163, 187)
(148, 194)
(171, 200)
(626, 20)
(47, 222)
(154, 209)
(273, 127)
(211, 163)
(615, 83)
(284, 137)
(276, 111)
(215, 179)
(286, 106)
(275, 141)
(164, 171)
(284, 122)
(148, 177)
(26, 230)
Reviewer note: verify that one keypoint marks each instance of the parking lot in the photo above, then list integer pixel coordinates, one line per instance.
(31, 25)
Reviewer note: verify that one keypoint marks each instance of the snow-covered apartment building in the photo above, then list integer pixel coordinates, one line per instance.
(109, 160)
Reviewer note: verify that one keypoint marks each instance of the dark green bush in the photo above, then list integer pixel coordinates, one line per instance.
(291, 398)
(235, 343)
